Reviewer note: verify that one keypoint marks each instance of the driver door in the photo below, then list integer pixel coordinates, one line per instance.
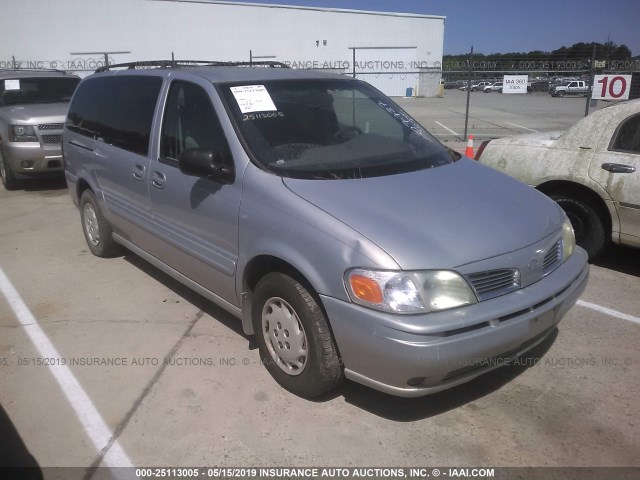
(194, 218)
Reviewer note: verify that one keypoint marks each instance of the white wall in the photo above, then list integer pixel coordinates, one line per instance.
(43, 32)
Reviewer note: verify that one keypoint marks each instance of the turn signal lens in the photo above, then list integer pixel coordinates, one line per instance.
(366, 289)
(568, 240)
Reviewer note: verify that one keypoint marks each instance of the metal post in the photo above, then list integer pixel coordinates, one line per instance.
(354, 62)
(13, 61)
(466, 115)
(106, 60)
(250, 58)
(591, 75)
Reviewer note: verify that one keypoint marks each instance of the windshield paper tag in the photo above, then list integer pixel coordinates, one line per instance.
(253, 98)
(11, 85)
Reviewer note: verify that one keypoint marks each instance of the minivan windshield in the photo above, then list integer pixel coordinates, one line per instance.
(24, 91)
(329, 129)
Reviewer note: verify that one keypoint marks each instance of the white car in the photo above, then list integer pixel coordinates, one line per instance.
(476, 86)
(592, 170)
(494, 87)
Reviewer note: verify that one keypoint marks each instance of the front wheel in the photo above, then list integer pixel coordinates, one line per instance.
(587, 224)
(6, 175)
(295, 342)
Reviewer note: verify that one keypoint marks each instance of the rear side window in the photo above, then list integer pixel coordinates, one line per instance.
(116, 110)
(627, 137)
(84, 111)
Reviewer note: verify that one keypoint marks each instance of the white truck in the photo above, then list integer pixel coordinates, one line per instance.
(573, 87)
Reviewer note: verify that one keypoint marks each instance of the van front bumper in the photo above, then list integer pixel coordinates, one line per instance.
(416, 355)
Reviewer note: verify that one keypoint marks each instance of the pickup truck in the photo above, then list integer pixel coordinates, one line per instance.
(574, 87)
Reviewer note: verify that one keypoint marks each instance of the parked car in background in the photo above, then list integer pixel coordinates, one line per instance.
(450, 84)
(494, 87)
(476, 86)
(592, 170)
(33, 106)
(574, 87)
(345, 237)
(540, 85)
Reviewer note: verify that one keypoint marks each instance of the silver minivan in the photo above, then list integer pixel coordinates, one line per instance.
(347, 239)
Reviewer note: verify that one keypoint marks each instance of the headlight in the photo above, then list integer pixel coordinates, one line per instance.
(568, 240)
(408, 292)
(22, 133)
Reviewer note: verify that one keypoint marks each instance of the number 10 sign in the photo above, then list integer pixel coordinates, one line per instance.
(611, 87)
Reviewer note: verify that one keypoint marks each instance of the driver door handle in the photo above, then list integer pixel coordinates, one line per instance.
(618, 168)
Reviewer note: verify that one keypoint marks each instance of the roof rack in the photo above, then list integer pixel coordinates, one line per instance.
(188, 63)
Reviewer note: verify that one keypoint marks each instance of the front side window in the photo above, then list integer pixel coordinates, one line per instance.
(627, 137)
(25, 91)
(329, 129)
(189, 122)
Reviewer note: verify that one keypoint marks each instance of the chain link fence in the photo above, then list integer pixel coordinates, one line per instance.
(469, 98)
(465, 95)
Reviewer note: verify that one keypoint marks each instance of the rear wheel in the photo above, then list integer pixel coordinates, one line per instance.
(295, 342)
(96, 229)
(6, 174)
(587, 224)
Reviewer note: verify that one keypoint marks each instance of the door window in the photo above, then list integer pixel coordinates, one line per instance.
(189, 122)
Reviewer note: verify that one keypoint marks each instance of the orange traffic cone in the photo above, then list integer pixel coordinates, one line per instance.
(469, 151)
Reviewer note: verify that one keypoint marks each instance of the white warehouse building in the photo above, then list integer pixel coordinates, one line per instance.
(398, 53)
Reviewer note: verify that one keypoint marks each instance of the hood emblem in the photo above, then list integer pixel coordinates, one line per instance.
(533, 264)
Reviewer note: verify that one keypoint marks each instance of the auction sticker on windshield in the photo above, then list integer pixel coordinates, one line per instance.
(253, 98)
(12, 85)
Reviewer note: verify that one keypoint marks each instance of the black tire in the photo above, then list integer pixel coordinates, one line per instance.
(561, 94)
(309, 366)
(97, 231)
(587, 224)
(9, 180)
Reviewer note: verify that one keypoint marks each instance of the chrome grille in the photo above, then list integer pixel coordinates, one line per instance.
(51, 126)
(552, 258)
(494, 283)
(52, 139)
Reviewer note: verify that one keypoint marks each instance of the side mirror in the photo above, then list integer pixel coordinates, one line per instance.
(204, 162)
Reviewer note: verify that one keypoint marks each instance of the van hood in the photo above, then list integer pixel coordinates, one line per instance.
(36, 113)
(438, 218)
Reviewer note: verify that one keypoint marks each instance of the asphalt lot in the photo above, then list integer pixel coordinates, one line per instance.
(572, 402)
(494, 115)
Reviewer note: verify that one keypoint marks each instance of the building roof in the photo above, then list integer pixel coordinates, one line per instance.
(319, 9)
